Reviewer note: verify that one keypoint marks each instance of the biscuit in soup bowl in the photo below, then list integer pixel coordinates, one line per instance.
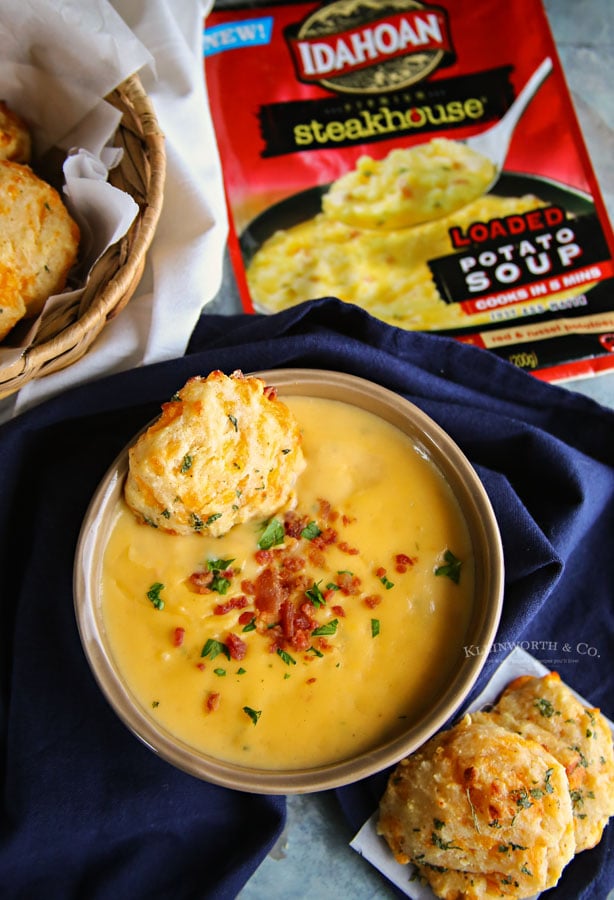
(224, 450)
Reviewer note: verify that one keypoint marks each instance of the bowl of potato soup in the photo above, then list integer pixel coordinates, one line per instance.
(309, 645)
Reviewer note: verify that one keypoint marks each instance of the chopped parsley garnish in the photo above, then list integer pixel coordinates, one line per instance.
(251, 625)
(374, 627)
(451, 567)
(289, 660)
(327, 629)
(196, 522)
(522, 799)
(213, 518)
(315, 595)
(311, 531)
(546, 708)
(186, 464)
(273, 534)
(234, 422)
(220, 582)
(213, 648)
(315, 651)
(220, 672)
(254, 714)
(153, 594)
(386, 582)
(437, 841)
(547, 785)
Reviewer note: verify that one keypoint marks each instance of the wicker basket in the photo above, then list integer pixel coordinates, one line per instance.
(65, 336)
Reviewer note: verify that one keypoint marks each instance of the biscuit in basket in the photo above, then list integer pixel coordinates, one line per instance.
(15, 139)
(481, 812)
(39, 240)
(546, 711)
(225, 450)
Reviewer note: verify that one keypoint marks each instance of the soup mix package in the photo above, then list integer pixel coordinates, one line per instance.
(422, 161)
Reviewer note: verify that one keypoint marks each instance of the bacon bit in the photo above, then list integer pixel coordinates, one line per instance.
(248, 587)
(380, 572)
(338, 611)
(270, 392)
(403, 562)
(311, 680)
(373, 600)
(198, 582)
(246, 617)
(348, 583)
(295, 584)
(326, 537)
(294, 524)
(323, 644)
(269, 592)
(201, 666)
(316, 557)
(287, 613)
(178, 636)
(329, 594)
(234, 603)
(263, 556)
(213, 701)
(325, 508)
(348, 520)
(236, 646)
(293, 563)
(345, 548)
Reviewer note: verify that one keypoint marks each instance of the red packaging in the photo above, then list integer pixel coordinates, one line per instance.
(345, 137)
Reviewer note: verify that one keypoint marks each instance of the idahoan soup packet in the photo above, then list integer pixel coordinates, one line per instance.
(422, 161)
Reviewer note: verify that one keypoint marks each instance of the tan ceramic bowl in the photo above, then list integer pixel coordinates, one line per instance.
(482, 525)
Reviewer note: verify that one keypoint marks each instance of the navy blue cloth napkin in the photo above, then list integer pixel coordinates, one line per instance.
(88, 811)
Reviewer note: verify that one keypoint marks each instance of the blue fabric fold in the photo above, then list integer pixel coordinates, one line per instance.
(88, 811)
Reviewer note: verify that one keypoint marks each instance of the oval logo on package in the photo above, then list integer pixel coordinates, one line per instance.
(353, 46)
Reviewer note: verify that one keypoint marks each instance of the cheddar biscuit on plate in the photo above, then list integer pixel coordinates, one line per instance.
(481, 813)
(225, 450)
(15, 139)
(545, 710)
(39, 240)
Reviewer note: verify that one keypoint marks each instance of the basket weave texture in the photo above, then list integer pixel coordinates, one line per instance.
(66, 335)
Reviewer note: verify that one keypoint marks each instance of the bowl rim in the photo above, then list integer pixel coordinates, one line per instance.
(483, 526)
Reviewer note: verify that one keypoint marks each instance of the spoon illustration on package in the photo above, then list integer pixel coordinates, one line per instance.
(427, 181)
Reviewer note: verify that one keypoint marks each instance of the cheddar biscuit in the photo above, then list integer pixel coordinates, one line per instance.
(481, 812)
(38, 239)
(546, 711)
(15, 139)
(409, 186)
(224, 450)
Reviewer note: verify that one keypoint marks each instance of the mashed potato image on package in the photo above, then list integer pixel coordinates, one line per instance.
(385, 272)
(409, 186)
(379, 227)
(224, 450)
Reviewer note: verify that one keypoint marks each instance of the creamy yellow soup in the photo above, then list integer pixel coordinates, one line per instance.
(380, 576)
